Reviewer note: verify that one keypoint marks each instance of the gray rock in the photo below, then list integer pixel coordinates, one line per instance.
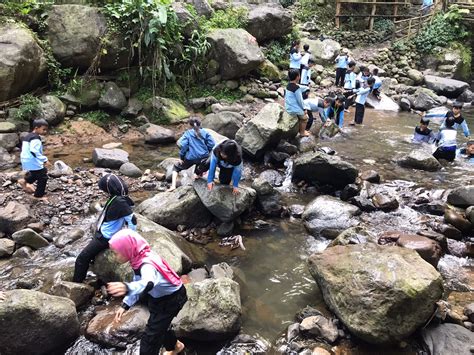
(179, 207)
(24, 252)
(398, 280)
(8, 141)
(202, 7)
(69, 237)
(325, 169)
(235, 51)
(130, 170)
(213, 311)
(172, 110)
(13, 217)
(79, 293)
(385, 202)
(325, 51)
(221, 270)
(225, 123)
(416, 76)
(273, 177)
(222, 203)
(329, 216)
(60, 168)
(29, 238)
(225, 229)
(425, 100)
(320, 327)
(266, 129)
(421, 160)
(7, 127)
(462, 196)
(469, 312)
(52, 109)
(470, 214)
(133, 108)
(22, 61)
(269, 200)
(7, 161)
(405, 104)
(50, 321)
(104, 330)
(75, 33)
(7, 247)
(198, 275)
(109, 158)
(155, 134)
(353, 235)
(202, 102)
(466, 96)
(448, 338)
(267, 22)
(443, 86)
(112, 97)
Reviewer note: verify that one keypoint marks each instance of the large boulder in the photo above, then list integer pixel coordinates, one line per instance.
(75, 33)
(319, 167)
(155, 134)
(213, 311)
(225, 122)
(52, 109)
(324, 52)
(79, 293)
(236, 50)
(13, 217)
(179, 207)
(266, 129)
(49, 324)
(329, 216)
(420, 159)
(269, 199)
(9, 141)
(222, 203)
(109, 158)
(448, 338)
(381, 294)
(416, 76)
(29, 238)
(104, 330)
(462, 196)
(169, 109)
(267, 22)
(269, 70)
(425, 99)
(22, 61)
(112, 98)
(447, 87)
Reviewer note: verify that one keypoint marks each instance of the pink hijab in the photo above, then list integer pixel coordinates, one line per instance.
(137, 251)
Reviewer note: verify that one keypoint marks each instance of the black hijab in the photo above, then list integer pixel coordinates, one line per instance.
(119, 204)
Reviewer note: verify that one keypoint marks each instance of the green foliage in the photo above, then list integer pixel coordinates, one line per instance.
(307, 9)
(29, 108)
(30, 12)
(233, 17)
(99, 118)
(443, 30)
(277, 51)
(384, 25)
(144, 93)
(57, 75)
(158, 118)
(219, 93)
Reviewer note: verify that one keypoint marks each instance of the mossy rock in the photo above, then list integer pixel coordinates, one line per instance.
(166, 110)
(269, 70)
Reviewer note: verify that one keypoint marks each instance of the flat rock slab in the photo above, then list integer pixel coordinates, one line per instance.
(109, 158)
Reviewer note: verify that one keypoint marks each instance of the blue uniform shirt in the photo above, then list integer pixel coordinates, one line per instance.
(193, 147)
(31, 156)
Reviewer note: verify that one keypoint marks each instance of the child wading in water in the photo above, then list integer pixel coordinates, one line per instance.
(447, 142)
(294, 103)
(422, 133)
(342, 61)
(33, 161)
(116, 213)
(196, 145)
(154, 278)
(228, 157)
(362, 94)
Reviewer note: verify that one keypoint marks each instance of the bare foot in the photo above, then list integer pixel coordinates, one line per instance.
(179, 347)
(305, 134)
(172, 188)
(28, 188)
(43, 198)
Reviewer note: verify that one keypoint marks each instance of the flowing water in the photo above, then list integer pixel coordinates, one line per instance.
(275, 282)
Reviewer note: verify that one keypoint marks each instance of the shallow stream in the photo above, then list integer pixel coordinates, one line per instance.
(275, 282)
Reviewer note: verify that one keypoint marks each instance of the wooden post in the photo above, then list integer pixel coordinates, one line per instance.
(371, 21)
(338, 12)
(395, 12)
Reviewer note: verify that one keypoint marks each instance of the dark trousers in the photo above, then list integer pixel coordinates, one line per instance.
(448, 155)
(310, 120)
(158, 332)
(359, 114)
(41, 177)
(340, 75)
(225, 174)
(348, 102)
(201, 165)
(95, 246)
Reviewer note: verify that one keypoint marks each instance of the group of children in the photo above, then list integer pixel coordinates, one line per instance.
(356, 89)
(446, 138)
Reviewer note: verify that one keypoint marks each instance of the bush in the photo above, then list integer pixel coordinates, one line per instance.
(233, 17)
(386, 26)
(29, 108)
(99, 118)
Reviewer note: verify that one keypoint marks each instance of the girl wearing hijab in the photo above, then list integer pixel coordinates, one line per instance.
(155, 278)
(196, 145)
(228, 157)
(116, 213)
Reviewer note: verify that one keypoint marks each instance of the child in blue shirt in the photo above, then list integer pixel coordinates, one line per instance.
(317, 105)
(228, 157)
(363, 76)
(306, 73)
(447, 142)
(422, 133)
(294, 104)
(377, 85)
(362, 94)
(336, 110)
(459, 120)
(295, 56)
(305, 57)
(342, 61)
(468, 153)
(116, 214)
(33, 161)
(196, 145)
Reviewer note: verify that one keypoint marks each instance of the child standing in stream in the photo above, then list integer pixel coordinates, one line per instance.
(294, 103)
(116, 214)
(153, 277)
(33, 161)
